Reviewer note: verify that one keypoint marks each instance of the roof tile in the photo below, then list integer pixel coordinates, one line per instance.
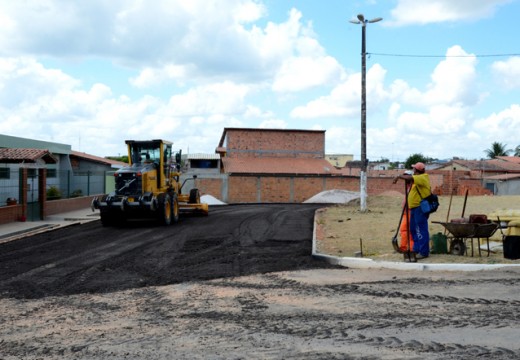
(278, 166)
(11, 155)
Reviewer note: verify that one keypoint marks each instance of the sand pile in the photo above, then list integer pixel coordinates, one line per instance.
(333, 197)
(211, 200)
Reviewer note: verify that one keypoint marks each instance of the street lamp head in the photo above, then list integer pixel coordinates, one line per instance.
(361, 20)
(375, 20)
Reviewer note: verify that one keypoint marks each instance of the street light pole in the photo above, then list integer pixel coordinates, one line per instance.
(363, 174)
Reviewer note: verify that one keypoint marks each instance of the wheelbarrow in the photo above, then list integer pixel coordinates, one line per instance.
(462, 231)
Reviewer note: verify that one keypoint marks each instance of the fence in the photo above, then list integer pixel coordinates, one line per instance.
(9, 186)
(71, 184)
(59, 184)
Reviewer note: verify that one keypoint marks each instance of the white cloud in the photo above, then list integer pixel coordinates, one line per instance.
(24, 79)
(179, 40)
(226, 63)
(414, 117)
(409, 12)
(46, 104)
(218, 98)
(344, 99)
(302, 73)
(437, 120)
(505, 122)
(150, 77)
(453, 82)
(273, 124)
(507, 73)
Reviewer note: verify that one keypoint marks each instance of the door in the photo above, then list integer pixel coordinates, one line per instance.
(33, 205)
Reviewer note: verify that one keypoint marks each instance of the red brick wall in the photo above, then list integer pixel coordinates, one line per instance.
(14, 213)
(473, 187)
(275, 189)
(241, 189)
(270, 143)
(208, 186)
(9, 214)
(42, 192)
(65, 205)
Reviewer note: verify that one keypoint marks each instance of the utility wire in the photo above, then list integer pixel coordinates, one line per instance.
(442, 56)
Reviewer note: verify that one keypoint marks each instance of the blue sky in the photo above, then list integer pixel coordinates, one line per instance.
(94, 73)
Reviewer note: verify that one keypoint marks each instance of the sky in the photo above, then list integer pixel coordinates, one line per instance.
(442, 76)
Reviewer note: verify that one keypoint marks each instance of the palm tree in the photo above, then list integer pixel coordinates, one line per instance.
(497, 149)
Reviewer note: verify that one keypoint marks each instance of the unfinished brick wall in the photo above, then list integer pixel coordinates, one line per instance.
(275, 143)
(275, 189)
(297, 189)
(473, 186)
(241, 189)
(307, 187)
(208, 186)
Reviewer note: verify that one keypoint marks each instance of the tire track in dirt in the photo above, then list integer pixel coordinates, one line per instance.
(350, 328)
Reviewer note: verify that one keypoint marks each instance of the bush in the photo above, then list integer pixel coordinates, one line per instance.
(53, 193)
(76, 193)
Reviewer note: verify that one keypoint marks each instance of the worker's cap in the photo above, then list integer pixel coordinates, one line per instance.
(419, 166)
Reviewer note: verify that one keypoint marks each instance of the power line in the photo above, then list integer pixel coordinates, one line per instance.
(442, 56)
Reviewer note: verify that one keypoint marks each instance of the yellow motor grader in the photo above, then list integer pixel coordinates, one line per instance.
(148, 187)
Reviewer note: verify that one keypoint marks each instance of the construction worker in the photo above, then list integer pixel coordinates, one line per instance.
(420, 188)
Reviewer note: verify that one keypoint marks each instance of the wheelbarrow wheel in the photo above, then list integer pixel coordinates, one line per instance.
(457, 247)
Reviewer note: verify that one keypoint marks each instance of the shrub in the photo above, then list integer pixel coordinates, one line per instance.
(76, 193)
(53, 193)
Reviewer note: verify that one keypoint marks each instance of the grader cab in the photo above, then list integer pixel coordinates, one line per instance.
(149, 187)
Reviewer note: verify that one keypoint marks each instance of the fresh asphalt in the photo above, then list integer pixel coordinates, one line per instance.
(17, 230)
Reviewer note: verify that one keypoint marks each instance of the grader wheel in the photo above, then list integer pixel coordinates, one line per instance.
(175, 209)
(165, 209)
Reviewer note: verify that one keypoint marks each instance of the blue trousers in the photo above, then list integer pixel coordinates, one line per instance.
(420, 233)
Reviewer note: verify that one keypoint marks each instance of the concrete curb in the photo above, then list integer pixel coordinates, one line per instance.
(367, 263)
(53, 222)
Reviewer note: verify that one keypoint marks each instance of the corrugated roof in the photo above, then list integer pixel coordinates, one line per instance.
(513, 159)
(503, 177)
(201, 156)
(14, 142)
(489, 165)
(291, 166)
(26, 155)
(98, 159)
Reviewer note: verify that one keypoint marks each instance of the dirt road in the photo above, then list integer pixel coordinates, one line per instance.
(239, 284)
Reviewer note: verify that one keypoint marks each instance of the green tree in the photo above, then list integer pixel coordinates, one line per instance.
(415, 158)
(123, 158)
(497, 149)
(517, 151)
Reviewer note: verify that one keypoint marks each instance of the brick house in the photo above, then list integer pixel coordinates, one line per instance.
(500, 176)
(272, 165)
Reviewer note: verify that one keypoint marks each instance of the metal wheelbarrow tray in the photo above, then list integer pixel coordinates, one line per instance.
(461, 231)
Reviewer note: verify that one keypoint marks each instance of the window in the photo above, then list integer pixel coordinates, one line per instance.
(5, 173)
(51, 173)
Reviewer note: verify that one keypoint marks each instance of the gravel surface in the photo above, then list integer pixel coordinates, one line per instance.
(239, 284)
